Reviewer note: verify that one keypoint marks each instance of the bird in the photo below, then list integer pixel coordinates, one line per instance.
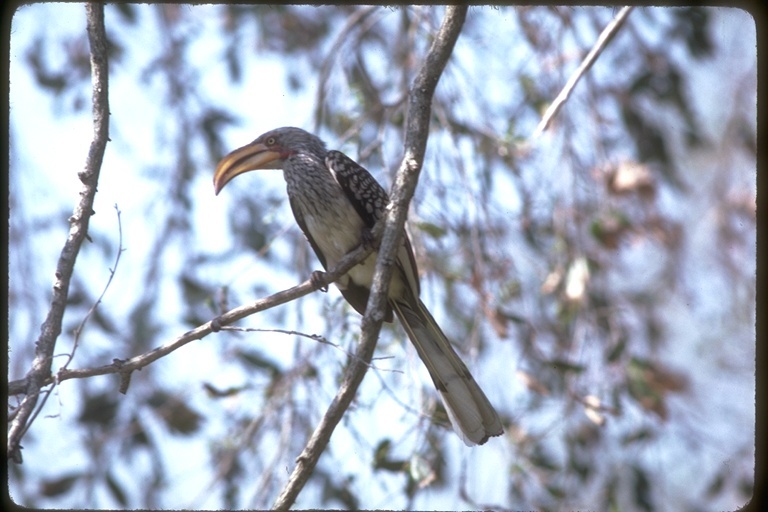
(336, 203)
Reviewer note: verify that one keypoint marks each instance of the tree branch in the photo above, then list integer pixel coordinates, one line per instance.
(127, 366)
(608, 32)
(417, 131)
(40, 370)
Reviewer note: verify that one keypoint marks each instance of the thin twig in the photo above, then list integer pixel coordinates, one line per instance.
(314, 337)
(47, 393)
(40, 370)
(417, 131)
(602, 41)
(95, 305)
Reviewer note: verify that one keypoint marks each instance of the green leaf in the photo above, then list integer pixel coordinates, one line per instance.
(177, 415)
(59, 486)
(564, 366)
(99, 409)
(431, 229)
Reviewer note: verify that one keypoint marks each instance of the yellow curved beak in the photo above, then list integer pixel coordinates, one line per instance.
(250, 157)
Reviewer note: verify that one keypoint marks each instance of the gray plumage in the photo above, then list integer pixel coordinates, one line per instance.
(334, 200)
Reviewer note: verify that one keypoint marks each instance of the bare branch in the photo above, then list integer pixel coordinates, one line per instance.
(126, 366)
(608, 32)
(417, 130)
(40, 370)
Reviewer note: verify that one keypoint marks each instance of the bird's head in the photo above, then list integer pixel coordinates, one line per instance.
(268, 151)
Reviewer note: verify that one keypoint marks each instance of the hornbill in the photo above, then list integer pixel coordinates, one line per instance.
(336, 203)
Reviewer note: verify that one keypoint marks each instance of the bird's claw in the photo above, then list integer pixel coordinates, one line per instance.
(317, 279)
(367, 239)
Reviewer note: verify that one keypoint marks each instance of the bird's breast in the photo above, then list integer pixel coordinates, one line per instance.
(331, 222)
(335, 232)
(336, 235)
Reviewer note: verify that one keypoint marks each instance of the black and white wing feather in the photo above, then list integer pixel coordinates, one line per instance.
(363, 191)
(370, 200)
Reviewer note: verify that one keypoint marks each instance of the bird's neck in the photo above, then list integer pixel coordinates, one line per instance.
(311, 183)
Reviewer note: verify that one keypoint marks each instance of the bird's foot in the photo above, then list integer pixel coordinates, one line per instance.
(317, 279)
(367, 239)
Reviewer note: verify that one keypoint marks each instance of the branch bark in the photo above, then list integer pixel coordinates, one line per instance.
(40, 371)
(417, 131)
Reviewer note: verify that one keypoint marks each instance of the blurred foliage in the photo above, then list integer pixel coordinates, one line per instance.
(556, 261)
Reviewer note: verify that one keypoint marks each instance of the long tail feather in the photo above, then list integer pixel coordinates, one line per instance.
(473, 417)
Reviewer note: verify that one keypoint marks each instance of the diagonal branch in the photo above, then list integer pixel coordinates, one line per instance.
(126, 366)
(40, 370)
(417, 130)
(602, 41)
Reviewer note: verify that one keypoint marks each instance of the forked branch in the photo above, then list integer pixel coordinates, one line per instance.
(417, 130)
(40, 370)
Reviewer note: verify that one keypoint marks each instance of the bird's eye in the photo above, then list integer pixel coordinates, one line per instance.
(271, 141)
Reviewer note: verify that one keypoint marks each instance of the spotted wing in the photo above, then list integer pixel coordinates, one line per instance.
(369, 200)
